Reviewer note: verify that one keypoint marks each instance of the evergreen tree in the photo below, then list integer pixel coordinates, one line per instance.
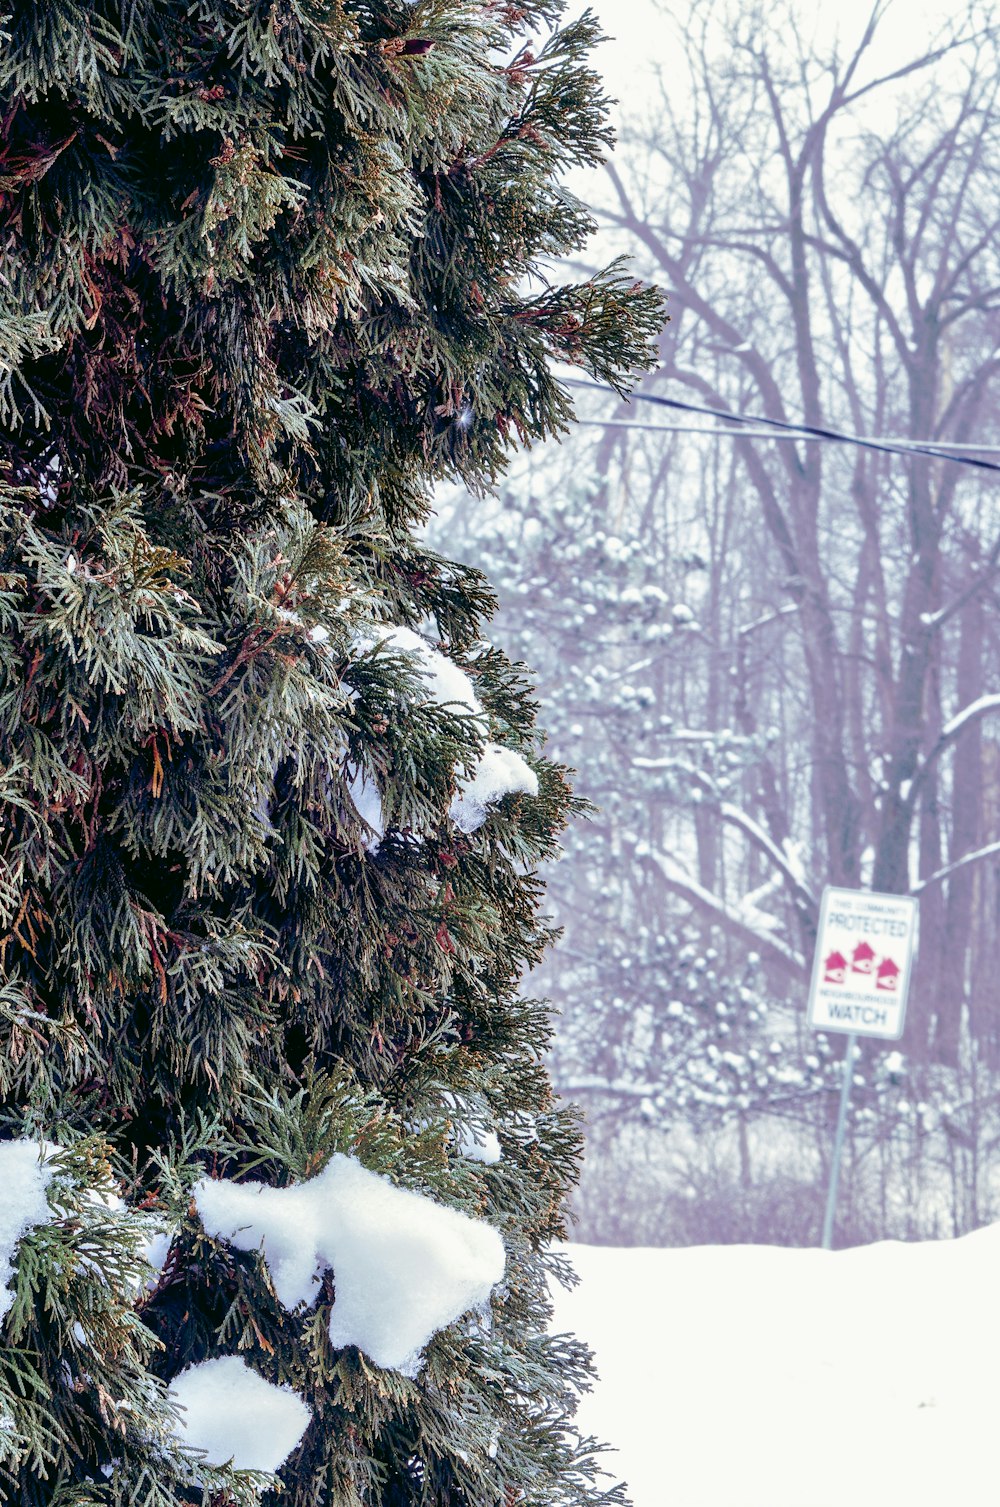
(279, 1160)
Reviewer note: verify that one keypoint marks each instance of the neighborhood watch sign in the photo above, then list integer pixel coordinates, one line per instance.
(861, 973)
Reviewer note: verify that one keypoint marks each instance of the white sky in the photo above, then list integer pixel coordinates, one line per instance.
(641, 36)
(642, 55)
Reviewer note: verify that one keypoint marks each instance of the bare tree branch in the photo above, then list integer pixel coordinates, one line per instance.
(723, 915)
(983, 707)
(992, 850)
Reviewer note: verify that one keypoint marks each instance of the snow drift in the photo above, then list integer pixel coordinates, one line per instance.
(751, 1376)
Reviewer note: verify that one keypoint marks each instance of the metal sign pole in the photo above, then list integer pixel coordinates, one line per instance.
(838, 1143)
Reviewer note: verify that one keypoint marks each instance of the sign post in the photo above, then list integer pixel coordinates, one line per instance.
(861, 976)
(838, 1141)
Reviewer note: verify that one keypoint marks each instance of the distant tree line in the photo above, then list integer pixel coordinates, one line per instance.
(777, 664)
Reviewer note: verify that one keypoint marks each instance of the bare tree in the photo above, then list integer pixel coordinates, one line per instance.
(776, 663)
(829, 234)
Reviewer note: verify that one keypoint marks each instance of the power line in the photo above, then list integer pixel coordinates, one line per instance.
(777, 429)
(948, 451)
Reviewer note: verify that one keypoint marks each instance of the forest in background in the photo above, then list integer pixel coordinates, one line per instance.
(775, 663)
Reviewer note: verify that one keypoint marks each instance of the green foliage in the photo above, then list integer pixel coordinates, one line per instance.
(76, 1376)
(264, 286)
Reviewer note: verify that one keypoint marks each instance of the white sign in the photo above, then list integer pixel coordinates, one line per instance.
(861, 972)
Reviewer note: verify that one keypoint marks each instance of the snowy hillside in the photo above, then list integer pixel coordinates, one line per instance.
(752, 1376)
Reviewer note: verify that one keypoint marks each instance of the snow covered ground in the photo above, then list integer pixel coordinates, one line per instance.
(753, 1376)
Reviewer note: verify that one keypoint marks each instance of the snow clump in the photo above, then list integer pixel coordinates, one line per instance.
(499, 772)
(473, 1142)
(479, 1145)
(103, 1196)
(404, 1266)
(368, 805)
(23, 1204)
(231, 1414)
(447, 684)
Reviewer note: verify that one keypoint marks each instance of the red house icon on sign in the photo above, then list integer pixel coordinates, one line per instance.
(863, 958)
(888, 975)
(834, 969)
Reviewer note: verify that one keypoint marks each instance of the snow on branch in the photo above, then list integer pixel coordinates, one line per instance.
(971, 713)
(952, 730)
(404, 1266)
(767, 617)
(716, 909)
(230, 1414)
(782, 859)
(952, 868)
(23, 1205)
(935, 620)
(500, 771)
(737, 817)
(445, 682)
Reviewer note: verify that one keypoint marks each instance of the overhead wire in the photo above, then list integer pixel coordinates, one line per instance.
(738, 425)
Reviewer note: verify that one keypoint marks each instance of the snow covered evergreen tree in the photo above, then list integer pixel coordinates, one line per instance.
(279, 1160)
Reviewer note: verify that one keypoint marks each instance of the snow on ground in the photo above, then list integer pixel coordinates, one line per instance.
(753, 1376)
